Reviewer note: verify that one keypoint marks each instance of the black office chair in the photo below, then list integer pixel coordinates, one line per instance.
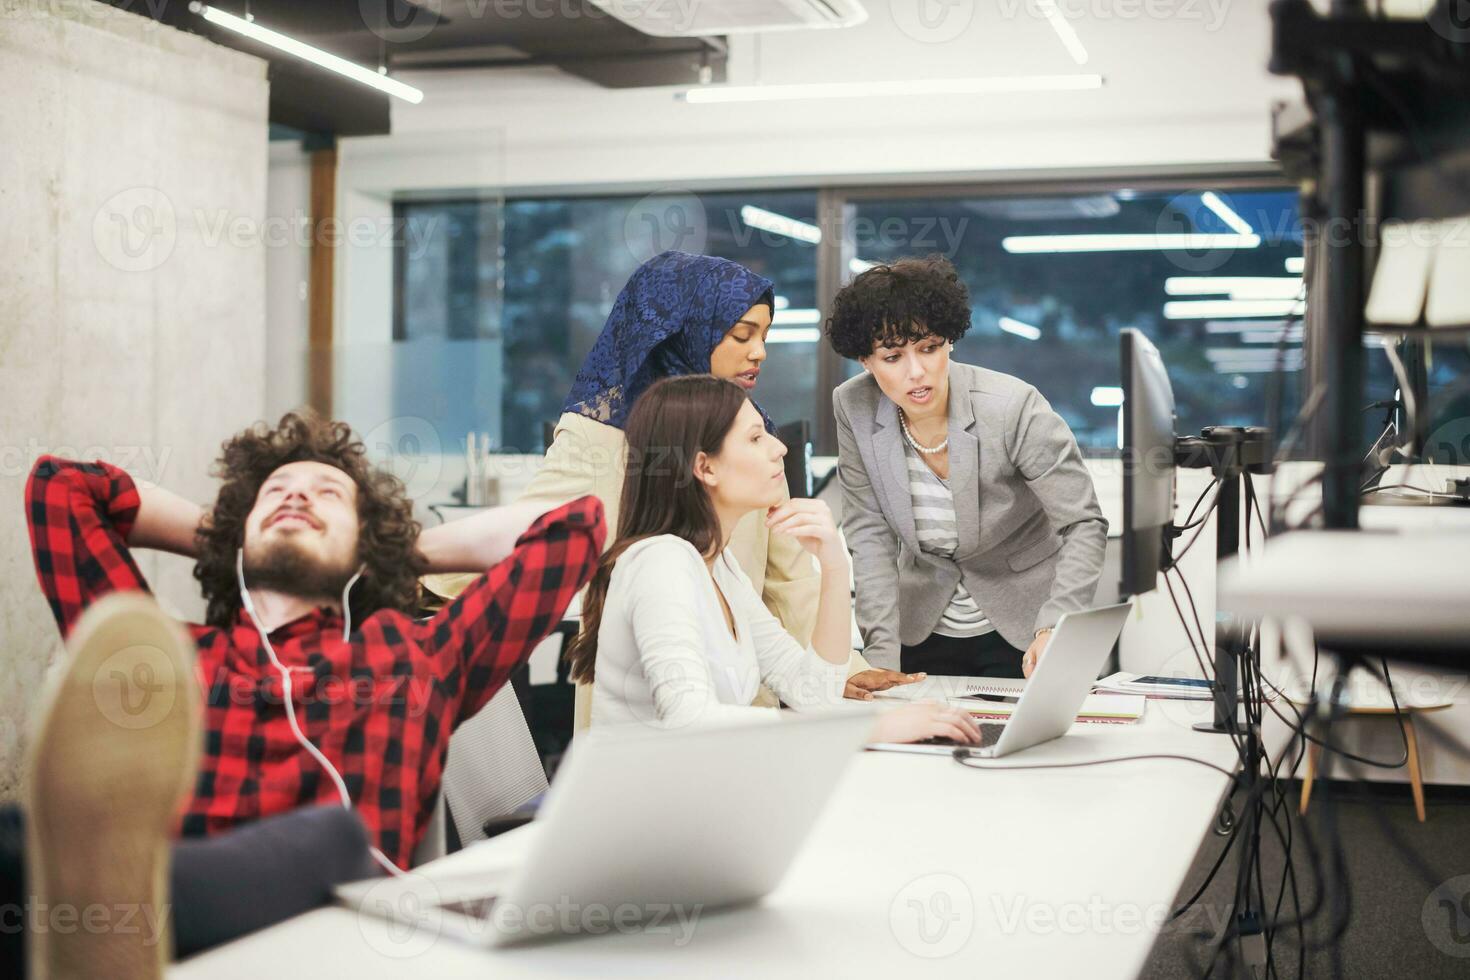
(798, 439)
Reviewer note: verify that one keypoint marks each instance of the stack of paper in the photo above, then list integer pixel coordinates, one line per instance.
(1181, 688)
(1097, 707)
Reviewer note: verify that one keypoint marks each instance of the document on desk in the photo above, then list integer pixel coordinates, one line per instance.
(996, 697)
(1154, 686)
(1106, 708)
(938, 687)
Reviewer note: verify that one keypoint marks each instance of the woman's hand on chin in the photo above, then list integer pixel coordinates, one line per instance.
(810, 522)
(924, 720)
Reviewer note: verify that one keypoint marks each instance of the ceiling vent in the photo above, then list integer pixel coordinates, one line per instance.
(698, 18)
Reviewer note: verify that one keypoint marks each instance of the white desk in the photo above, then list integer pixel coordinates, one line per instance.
(1046, 873)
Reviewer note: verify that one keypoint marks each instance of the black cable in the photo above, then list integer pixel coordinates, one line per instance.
(1250, 503)
(1224, 852)
(1215, 500)
(1193, 609)
(1250, 492)
(1337, 750)
(1220, 860)
(1198, 500)
(1251, 876)
(1234, 730)
(1205, 671)
(1401, 486)
(1339, 852)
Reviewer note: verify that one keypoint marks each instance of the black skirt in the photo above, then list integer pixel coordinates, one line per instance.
(986, 655)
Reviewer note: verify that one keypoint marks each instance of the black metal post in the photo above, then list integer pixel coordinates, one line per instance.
(1222, 450)
(1340, 294)
(1227, 632)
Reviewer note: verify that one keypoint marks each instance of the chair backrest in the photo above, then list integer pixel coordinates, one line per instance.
(435, 842)
(798, 439)
(493, 766)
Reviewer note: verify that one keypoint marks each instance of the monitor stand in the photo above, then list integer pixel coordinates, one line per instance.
(1229, 452)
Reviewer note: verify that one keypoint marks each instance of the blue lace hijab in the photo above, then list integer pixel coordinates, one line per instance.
(669, 318)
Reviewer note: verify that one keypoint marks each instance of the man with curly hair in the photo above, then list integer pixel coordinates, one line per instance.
(327, 550)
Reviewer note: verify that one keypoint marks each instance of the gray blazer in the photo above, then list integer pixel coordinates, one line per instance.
(1031, 533)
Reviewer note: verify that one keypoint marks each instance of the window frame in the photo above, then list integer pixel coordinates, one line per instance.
(835, 195)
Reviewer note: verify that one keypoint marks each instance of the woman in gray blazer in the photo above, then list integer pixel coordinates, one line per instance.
(971, 518)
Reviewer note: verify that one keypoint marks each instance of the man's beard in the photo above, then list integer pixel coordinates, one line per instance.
(283, 566)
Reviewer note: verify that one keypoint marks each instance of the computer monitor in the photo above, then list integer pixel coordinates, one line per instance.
(798, 439)
(1147, 419)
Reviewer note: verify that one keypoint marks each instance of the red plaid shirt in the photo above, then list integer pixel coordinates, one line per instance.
(380, 705)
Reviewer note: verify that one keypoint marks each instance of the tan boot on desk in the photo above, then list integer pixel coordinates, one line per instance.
(111, 760)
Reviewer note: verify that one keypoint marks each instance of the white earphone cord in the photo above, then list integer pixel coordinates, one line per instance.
(286, 687)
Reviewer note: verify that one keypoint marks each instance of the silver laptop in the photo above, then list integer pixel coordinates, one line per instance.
(1048, 701)
(642, 829)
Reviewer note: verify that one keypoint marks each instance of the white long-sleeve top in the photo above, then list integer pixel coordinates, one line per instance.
(665, 656)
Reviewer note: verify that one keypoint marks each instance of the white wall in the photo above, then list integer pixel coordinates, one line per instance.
(287, 279)
(132, 305)
(1189, 87)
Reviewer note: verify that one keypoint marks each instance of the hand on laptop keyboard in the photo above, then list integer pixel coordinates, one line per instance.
(989, 735)
(927, 720)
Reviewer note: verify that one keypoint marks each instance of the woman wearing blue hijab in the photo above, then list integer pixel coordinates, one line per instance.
(678, 314)
(682, 314)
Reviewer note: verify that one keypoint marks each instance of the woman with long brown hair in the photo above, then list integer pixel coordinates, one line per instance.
(673, 633)
(679, 314)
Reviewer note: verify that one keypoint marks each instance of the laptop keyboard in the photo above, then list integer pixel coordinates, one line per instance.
(475, 908)
(989, 735)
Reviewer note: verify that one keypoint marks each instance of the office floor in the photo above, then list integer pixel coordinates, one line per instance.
(1395, 931)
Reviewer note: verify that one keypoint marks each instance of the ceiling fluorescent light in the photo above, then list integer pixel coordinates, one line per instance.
(1250, 355)
(780, 224)
(788, 317)
(1236, 287)
(858, 266)
(1063, 27)
(1107, 397)
(318, 57)
(872, 90)
(1020, 329)
(1239, 326)
(1288, 367)
(1292, 335)
(1205, 309)
(1049, 244)
(794, 335)
(1296, 264)
(1226, 214)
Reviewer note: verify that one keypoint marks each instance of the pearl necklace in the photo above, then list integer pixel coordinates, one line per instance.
(927, 451)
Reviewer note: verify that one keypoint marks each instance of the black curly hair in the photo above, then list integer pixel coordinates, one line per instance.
(899, 303)
(387, 540)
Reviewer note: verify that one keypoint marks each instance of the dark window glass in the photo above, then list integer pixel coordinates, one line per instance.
(1448, 374)
(565, 261)
(1054, 279)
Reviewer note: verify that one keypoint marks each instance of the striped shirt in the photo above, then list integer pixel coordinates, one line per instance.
(934, 523)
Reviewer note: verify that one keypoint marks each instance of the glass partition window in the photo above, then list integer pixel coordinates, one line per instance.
(1214, 279)
(541, 298)
(500, 302)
